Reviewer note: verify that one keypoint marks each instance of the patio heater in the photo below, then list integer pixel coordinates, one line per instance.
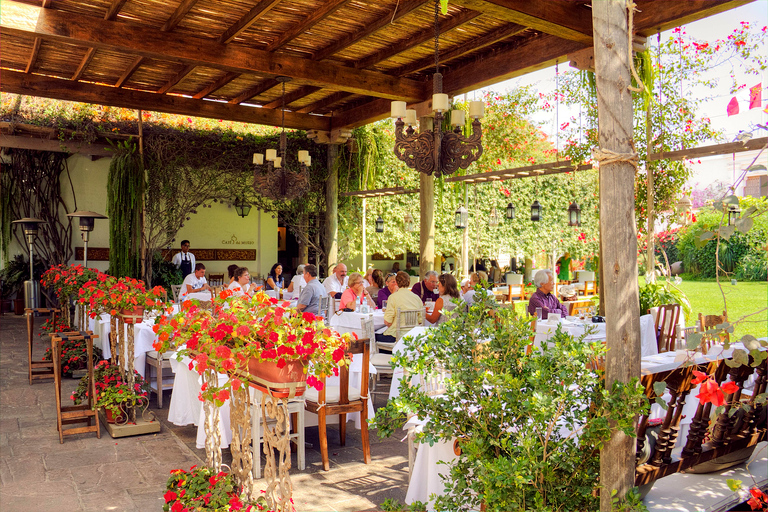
(87, 219)
(31, 287)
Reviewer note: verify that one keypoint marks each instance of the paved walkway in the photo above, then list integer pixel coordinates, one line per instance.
(129, 474)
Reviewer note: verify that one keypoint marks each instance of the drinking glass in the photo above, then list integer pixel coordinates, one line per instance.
(384, 304)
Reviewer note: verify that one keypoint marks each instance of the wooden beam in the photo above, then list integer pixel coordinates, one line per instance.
(56, 25)
(33, 56)
(114, 9)
(328, 7)
(247, 20)
(527, 171)
(416, 39)
(254, 91)
(380, 192)
(617, 229)
(84, 63)
(715, 149)
(181, 10)
(560, 18)
(215, 86)
(50, 87)
(488, 39)
(324, 102)
(130, 70)
(292, 96)
(178, 77)
(368, 112)
(55, 145)
(401, 9)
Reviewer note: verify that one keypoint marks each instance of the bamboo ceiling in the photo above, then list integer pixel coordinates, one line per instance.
(348, 58)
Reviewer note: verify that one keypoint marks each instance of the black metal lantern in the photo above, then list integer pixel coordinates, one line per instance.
(535, 211)
(379, 224)
(734, 212)
(462, 218)
(574, 214)
(510, 211)
(242, 207)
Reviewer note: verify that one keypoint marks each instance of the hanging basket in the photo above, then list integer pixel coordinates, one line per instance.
(286, 382)
(133, 316)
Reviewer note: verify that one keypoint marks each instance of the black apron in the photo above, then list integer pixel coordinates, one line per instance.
(186, 264)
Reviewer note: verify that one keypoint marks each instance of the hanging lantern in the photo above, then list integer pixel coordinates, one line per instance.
(379, 224)
(493, 220)
(535, 211)
(733, 214)
(574, 214)
(684, 206)
(408, 221)
(242, 207)
(510, 211)
(462, 218)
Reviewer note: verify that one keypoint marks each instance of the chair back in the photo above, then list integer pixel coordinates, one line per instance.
(433, 384)
(667, 318)
(175, 289)
(325, 303)
(407, 319)
(215, 279)
(712, 336)
(217, 290)
(577, 307)
(516, 279)
(682, 336)
(369, 332)
(361, 346)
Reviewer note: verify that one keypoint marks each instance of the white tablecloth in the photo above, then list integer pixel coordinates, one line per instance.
(352, 322)
(574, 326)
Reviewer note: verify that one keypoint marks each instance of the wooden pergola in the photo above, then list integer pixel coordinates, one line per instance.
(348, 59)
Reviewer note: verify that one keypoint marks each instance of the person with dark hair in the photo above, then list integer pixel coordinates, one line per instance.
(297, 282)
(390, 287)
(195, 286)
(275, 278)
(449, 289)
(242, 282)
(403, 298)
(184, 260)
(309, 299)
(231, 272)
(377, 276)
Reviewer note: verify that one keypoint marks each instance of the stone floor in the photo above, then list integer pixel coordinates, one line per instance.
(129, 474)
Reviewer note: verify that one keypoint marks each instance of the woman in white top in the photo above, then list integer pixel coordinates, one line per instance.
(242, 283)
(297, 282)
(449, 289)
(469, 295)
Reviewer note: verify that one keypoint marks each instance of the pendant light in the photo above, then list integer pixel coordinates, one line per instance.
(510, 211)
(462, 218)
(535, 211)
(379, 224)
(574, 214)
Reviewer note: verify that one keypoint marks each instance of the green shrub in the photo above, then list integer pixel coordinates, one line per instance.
(662, 292)
(753, 267)
(164, 273)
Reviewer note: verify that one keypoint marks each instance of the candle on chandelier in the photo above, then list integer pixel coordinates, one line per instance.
(476, 109)
(410, 117)
(277, 162)
(440, 102)
(258, 159)
(303, 155)
(271, 155)
(398, 109)
(457, 117)
(308, 161)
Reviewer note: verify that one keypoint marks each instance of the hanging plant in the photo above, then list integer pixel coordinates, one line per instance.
(125, 203)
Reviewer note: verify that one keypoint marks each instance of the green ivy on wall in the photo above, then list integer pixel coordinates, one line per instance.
(125, 203)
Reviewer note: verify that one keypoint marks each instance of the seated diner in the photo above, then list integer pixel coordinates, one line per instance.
(544, 280)
(390, 287)
(448, 290)
(275, 278)
(195, 286)
(403, 298)
(355, 294)
(242, 283)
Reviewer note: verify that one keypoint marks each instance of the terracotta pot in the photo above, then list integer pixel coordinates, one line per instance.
(134, 315)
(268, 377)
(112, 418)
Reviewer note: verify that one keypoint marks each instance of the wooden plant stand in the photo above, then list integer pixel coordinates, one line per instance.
(38, 369)
(69, 414)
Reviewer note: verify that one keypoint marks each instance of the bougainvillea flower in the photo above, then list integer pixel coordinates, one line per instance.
(699, 377)
(711, 392)
(730, 387)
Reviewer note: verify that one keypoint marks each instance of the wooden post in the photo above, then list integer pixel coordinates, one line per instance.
(617, 229)
(332, 208)
(651, 259)
(304, 246)
(427, 229)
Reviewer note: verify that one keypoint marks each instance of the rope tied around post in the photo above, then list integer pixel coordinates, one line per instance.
(606, 156)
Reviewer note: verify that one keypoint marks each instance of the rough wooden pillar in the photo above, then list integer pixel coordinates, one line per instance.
(427, 232)
(303, 246)
(617, 229)
(332, 207)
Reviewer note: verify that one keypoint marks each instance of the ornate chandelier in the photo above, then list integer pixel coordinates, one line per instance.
(273, 179)
(434, 151)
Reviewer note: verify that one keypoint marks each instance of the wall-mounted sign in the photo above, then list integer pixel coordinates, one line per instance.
(233, 240)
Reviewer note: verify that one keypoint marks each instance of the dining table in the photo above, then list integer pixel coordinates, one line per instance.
(351, 321)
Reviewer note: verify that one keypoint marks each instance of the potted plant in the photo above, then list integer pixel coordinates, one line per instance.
(202, 489)
(13, 276)
(66, 281)
(95, 295)
(113, 393)
(130, 298)
(74, 353)
(275, 343)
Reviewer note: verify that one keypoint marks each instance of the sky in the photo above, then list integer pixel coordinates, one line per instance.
(715, 27)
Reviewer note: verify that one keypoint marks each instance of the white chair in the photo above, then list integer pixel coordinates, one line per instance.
(325, 304)
(295, 408)
(175, 289)
(586, 284)
(382, 362)
(163, 379)
(682, 333)
(406, 320)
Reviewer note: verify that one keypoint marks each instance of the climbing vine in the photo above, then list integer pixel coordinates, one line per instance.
(125, 202)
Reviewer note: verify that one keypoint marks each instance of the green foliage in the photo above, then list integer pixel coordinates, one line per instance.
(662, 292)
(393, 505)
(530, 426)
(125, 202)
(164, 273)
(753, 267)
(16, 272)
(632, 502)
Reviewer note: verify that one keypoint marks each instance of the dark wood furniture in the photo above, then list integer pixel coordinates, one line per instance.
(38, 369)
(665, 327)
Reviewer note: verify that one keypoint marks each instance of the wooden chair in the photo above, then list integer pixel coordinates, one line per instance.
(575, 308)
(342, 400)
(667, 317)
(587, 279)
(712, 335)
(159, 362)
(382, 362)
(216, 290)
(516, 287)
(175, 289)
(215, 279)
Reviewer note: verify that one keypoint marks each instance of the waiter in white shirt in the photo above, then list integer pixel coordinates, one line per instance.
(195, 286)
(184, 260)
(337, 282)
